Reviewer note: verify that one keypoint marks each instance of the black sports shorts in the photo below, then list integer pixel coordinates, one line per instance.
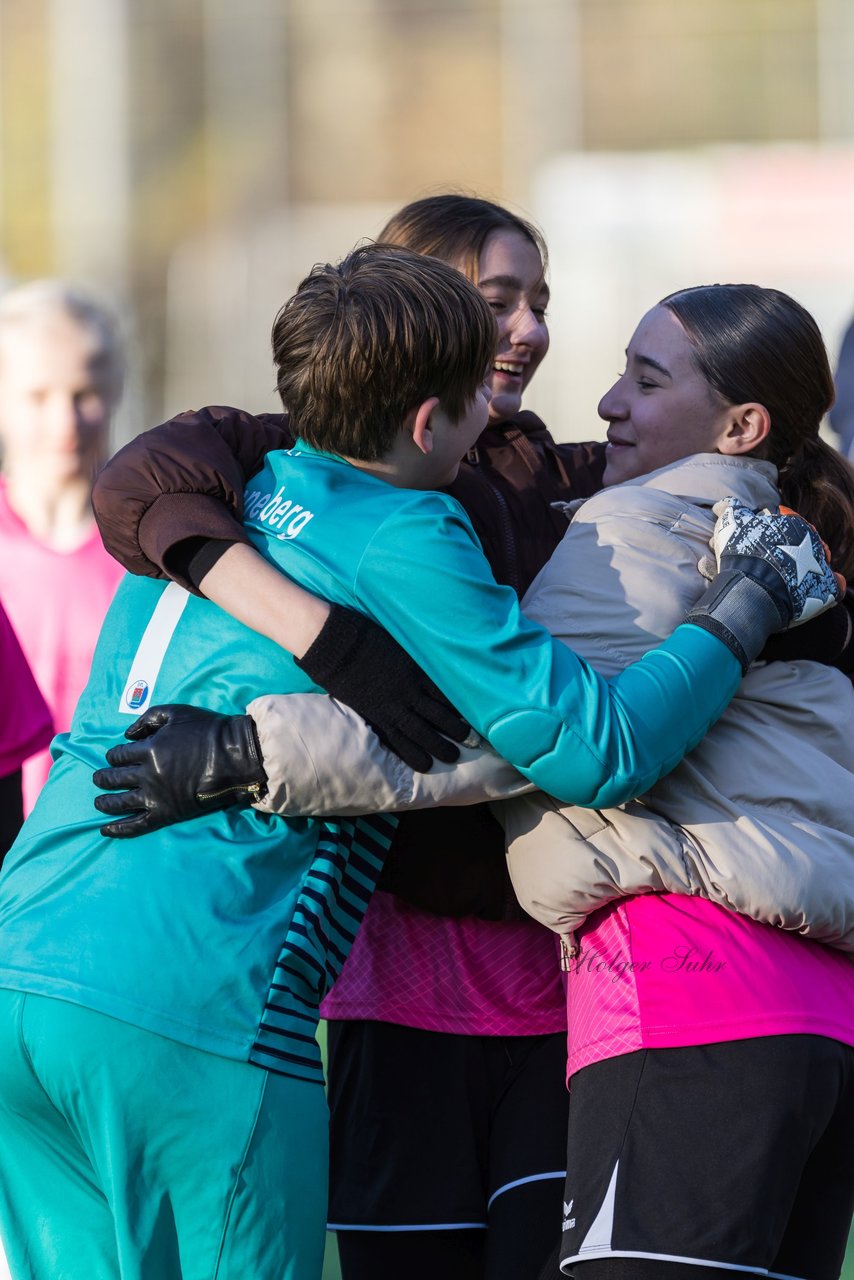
(434, 1131)
(736, 1156)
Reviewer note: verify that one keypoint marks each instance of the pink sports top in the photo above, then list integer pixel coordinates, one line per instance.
(471, 977)
(56, 601)
(661, 970)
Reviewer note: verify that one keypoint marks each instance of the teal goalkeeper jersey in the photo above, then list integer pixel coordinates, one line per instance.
(225, 932)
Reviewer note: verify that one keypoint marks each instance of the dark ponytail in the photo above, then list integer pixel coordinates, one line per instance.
(819, 483)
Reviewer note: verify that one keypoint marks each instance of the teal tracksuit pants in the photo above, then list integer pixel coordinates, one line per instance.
(124, 1154)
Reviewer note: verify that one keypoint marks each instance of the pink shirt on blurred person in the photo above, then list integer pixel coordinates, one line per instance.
(25, 722)
(56, 601)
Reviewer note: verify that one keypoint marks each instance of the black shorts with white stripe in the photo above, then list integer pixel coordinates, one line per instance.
(735, 1156)
(440, 1133)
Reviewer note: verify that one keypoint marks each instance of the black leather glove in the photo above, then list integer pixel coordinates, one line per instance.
(181, 762)
(358, 663)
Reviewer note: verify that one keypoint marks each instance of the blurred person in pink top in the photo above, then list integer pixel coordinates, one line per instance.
(25, 727)
(61, 368)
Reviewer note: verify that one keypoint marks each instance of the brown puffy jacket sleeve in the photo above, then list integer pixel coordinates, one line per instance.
(182, 483)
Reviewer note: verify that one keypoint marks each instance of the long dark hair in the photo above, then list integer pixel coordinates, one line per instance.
(759, 344)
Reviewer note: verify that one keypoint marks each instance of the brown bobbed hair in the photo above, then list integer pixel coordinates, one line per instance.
(362, 343)
(455, 228)
(756, 344)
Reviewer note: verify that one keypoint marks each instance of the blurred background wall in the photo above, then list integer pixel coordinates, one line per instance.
(193, 158)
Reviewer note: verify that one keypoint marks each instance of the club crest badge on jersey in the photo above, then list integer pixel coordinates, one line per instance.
(137, 694)
(144, 666)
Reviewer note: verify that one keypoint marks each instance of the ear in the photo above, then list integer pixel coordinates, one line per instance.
(422, 431)
(747, 426)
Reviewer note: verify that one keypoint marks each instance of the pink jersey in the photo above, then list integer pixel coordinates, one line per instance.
(660, 971)
(56, 601)
(25, 723)
(471, 977)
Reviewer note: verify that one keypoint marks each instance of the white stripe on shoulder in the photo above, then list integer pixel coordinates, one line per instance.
(148, 659)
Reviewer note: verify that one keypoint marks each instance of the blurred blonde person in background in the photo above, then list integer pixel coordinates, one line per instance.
(61, 368)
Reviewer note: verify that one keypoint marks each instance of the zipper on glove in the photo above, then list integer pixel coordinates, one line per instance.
(253, 788)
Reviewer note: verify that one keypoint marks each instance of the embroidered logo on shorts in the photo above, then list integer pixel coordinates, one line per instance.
(568, 1222)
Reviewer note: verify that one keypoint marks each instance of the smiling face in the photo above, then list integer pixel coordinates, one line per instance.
(510, 277)
(661, 409)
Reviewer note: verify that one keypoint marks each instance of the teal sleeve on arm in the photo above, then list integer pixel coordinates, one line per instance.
(627, 733)
(576, 735)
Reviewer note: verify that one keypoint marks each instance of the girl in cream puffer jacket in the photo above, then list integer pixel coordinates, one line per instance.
(758, 817)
